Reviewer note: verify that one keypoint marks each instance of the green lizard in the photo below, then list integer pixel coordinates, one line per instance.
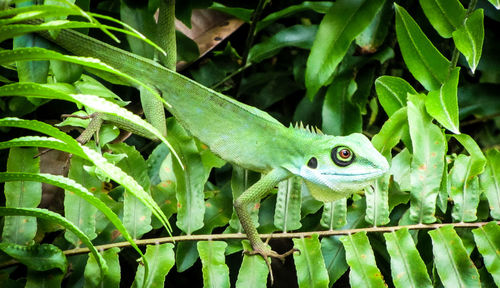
(332, 167)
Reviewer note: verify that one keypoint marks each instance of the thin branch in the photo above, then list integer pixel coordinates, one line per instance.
(209, 237)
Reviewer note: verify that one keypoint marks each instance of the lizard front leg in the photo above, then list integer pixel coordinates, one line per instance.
(256, 192)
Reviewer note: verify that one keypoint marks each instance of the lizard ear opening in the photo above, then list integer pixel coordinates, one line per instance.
(312, 163)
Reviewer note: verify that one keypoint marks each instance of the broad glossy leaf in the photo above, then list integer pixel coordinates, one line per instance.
(185, 255)
(190, 182)
(76, 208)
(374, 35)
(392, 93)
(162, 259)
(400, 169)
(469, 38)
(407, 268)
(490, 181)
(319, 7)
(300, 36)
(442, 104)
(288, 202)
(31, 71)
(253, 270)
(334, 257)
(429, 148)
(377, 201)
(334, 214)
(495, 3)
(454, 266)
(311, 271)
(464, 190)
(445, 16)
(214, 268)
(488, 243)
(111, 278)
(340, 115)
(19, 229)
(478, 159)
(52, 216)
(343, 22)
(65, 72)
(360, 257)
(391, 132)
(423, 60)
(38, 257)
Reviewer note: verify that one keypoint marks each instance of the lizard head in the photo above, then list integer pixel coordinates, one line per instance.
(336, 167)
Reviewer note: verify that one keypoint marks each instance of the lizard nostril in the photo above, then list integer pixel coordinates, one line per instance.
(312, 163)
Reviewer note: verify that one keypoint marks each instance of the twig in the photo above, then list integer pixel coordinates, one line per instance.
(209, 237)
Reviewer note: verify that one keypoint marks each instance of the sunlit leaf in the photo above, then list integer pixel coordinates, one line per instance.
(253, 270)
(39, 257)
(454, 266)
(111, 278)
(469, 38)
(360, 257)
(215, 270)
(288, 202)
(334, 214)
(490, 181)
(423, 60)
(488, 243)
(442, 104)
(392, 93)
(407, 268)
(343, 22)
(445, 16)
(311, 271)
(162, 259)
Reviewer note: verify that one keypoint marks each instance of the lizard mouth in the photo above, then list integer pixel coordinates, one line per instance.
(376, 173)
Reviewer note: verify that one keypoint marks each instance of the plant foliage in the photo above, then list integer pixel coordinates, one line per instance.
(419, 77)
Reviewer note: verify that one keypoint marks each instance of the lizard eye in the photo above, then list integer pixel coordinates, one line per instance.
(312, 163)
(342, 156)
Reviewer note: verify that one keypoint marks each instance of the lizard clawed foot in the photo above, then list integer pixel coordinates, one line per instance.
(267, 252)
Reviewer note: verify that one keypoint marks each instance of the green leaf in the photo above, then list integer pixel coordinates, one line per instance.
(136, 216)
(391, 132)
(38, 257)
(407, 268)
(18, 229)
(300, 36)
(162, 259)
(442, 104)
(318, 7)
(190, 182)
(445, 16)
(429, 148)
(424, 61)
(288, 202)
(392, 93)
(495, 3)
(111, 278)
(359, 256)
(340, 115)
(374, 35)
(400, 169)
(51, 216)
(311, 270)
(377, 201)
(334, 214)
(40, 141)
(43, 279)
(488, 243)
(70, 185)
(253, 271)
(478, 159)
(31, 71)
(454, 267)
(490, 181)
(469, 38)
(76, 208)
(343, 22)
(334, 257)
(20, 14)
(464, 190)
(215, 270)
